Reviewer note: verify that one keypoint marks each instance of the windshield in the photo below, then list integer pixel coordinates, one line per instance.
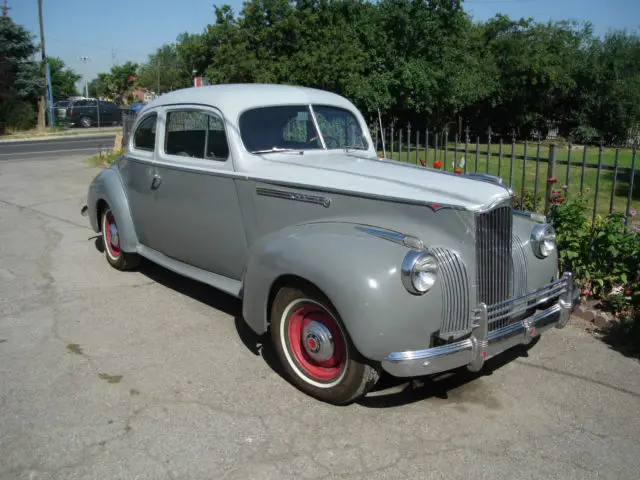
(291, 127)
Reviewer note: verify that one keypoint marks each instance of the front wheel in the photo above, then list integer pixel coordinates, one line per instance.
(315, 349)
(111, 241)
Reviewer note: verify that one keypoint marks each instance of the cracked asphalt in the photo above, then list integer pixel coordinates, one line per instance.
(147, 375)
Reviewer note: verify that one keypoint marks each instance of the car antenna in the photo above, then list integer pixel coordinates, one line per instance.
(384, 150)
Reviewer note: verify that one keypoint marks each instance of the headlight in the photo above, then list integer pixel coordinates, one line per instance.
(543, 240)
(419, 271)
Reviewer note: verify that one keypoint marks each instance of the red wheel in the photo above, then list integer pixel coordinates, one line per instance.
(315, 341)
(111, 241)
(315, 349)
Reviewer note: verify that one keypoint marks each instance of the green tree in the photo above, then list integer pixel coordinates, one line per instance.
(17, 95)
(63, 79)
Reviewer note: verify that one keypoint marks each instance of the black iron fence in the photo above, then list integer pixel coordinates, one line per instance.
(540, 172)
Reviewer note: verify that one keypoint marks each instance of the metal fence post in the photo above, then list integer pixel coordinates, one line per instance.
(595, 199)
(408, 142)
(488, 149)
(631, 181)
(551, 177)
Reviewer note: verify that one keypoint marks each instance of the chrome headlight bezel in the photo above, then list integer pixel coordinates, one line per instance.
(543, 240)
(419, 271)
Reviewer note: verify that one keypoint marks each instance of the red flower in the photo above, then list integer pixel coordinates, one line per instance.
(457, 170)
(627, 292)
(437, 164)
(381, 156)
(552, 180)
(422, 162)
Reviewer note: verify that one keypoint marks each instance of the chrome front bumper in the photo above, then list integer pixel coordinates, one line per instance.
(488, 338)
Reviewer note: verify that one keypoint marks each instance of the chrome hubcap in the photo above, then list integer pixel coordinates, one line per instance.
(113, 231)
(318, 341)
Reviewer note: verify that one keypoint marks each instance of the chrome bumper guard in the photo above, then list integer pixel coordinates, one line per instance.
(485, 340)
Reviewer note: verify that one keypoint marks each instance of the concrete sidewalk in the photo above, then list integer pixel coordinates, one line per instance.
(147, 375)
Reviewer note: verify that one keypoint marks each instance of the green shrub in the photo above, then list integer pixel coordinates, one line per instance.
(17, 114)
(526, 200)
(605, 259)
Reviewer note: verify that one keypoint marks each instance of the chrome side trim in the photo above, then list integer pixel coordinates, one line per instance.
(408, 241)
(483, 344)
(396, 237)
(296, 196)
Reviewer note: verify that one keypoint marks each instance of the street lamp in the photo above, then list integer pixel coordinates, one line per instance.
(85, 59)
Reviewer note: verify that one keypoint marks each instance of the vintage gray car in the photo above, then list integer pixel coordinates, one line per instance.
(354, 264)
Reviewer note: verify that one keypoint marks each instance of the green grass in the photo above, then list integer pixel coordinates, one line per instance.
(514, 177)
(103, 159)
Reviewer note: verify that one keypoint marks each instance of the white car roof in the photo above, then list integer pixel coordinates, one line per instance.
(233, 99)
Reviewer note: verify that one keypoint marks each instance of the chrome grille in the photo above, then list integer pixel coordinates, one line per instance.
(455, 293)
(494, 253)
(517, 288)
(520, 268)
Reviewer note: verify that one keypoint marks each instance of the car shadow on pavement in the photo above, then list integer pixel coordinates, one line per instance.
(259, 345)
(388, 393)
(457, 386)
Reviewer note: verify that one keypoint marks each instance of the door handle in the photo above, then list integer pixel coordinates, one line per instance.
(155, 183)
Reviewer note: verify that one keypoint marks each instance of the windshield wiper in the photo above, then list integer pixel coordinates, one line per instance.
(279, 150)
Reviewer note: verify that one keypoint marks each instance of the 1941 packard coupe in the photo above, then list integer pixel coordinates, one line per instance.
(354, 264)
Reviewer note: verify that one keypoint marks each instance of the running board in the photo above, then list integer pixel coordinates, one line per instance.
(227, 285)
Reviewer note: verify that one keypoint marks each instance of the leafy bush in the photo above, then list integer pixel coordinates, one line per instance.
(585, 134)
(605, 258)
(17, 114)
(526, 201)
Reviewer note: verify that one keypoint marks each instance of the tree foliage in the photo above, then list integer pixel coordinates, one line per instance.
(116, 84)
(424, 62)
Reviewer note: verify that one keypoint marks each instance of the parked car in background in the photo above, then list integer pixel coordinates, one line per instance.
(137, 107)
(354, 264)
(84, 113)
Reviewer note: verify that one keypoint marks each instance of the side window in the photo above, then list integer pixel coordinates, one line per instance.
(145, 136)
(195, 134)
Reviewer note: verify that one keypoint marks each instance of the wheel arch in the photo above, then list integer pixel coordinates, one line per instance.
(359, 275)
(107, 189)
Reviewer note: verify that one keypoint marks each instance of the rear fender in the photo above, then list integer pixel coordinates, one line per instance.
(107, 187)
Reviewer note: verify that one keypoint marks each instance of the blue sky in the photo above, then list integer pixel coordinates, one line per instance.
(120, 30)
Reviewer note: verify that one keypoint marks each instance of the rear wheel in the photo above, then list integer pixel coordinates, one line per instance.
(85, 122)
(111, 241)
(315, 349)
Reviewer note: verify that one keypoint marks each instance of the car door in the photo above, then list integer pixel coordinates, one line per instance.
(196, 194)
(137, 171)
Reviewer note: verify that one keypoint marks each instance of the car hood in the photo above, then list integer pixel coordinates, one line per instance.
(387, 178)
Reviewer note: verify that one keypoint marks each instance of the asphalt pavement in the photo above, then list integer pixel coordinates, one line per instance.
(55, 148)
(147, 375)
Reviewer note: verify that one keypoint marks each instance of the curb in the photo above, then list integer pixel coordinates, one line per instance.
(62, 136)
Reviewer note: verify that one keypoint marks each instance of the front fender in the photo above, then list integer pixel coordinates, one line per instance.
(358, 272)
(108, 187)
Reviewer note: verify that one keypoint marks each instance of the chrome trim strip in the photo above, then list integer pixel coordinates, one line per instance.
(396, 237)
(295, 196)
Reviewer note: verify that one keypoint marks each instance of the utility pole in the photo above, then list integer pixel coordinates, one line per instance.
(158, 74)
(41, 107)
